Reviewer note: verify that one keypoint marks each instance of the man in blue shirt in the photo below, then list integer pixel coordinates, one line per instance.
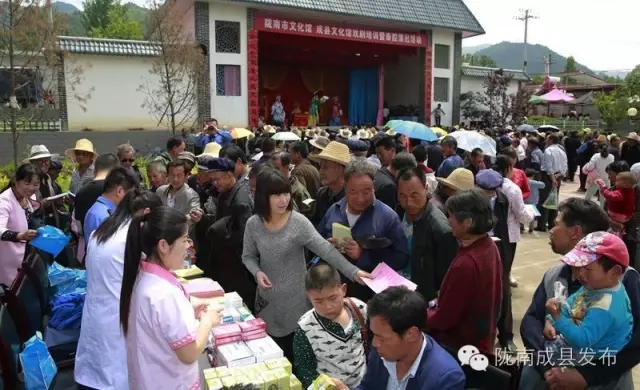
(403, 356)
(116, 185)
(451, 159)
(212, 134)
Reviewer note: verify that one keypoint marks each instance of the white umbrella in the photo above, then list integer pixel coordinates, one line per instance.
(548, 127)
(285, 136)
(257, 157)
(469, 140)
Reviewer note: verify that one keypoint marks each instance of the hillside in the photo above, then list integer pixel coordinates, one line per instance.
(510, 55)
(473, 49)
(74, 17)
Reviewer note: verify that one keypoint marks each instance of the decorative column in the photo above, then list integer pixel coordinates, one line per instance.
(457, 79)
(253, 83)
(203, 87)
(62, 96)
(428, 78)
(380, 117)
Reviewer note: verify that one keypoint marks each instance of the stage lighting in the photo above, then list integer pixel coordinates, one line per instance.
(358, 54)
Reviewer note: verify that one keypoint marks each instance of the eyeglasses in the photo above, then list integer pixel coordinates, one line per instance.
(124, 160)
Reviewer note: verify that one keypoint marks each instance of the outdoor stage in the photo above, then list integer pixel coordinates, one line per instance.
(297, 58)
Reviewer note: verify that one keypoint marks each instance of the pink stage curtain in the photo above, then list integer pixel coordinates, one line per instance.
(380, 95)
(232, 80)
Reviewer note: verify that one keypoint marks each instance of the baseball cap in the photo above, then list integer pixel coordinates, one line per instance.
(596, 245)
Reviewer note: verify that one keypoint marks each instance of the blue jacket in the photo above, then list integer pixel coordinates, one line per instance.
(534, 319)
(438, 370)
(378, 221)
(221, 138)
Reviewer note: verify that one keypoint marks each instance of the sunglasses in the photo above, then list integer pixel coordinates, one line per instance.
(124, 160)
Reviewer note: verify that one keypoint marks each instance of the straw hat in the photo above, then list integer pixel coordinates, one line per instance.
(212, 149)
(391, 132)
(324, 134)
(602, 138)
(82, 145)
(633, 135)
(459, 179)
(320, 142)
(37, 152)
(297, 132)
(309, 133)
(363, 134)
(270, 129)
(336, 152)
(345, 133)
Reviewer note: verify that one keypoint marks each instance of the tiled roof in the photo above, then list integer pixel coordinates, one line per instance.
(452, 14)
(114, 47)
(480, 71)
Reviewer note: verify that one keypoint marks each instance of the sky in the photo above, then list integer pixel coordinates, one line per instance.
(600, 35)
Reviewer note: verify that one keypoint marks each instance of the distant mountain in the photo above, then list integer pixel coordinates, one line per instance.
(64, 8)
(473, 49)
(73, 16)
(509, 55)
(613, 73)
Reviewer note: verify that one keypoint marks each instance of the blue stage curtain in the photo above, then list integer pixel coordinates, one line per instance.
(363, 96)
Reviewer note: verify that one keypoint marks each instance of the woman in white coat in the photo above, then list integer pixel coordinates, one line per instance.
(101, 358)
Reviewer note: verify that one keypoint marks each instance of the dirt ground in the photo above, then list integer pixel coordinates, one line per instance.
(533, 258)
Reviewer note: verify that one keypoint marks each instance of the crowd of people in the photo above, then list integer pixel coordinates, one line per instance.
(260, 215)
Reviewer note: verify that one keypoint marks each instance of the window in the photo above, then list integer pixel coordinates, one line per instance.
(228, 80)
(227, 37)
(441, 56)
(441, 89)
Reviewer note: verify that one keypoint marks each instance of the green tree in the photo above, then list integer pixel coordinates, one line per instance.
(569, 67)
(632, 83)
(539, 79)
(96, 13)
(612, 106)
(479, 60)
(119, 26)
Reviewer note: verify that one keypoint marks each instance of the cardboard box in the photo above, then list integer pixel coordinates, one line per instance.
(294, 383)
(279, 363)
(209, 373)
(244, 313)
(214, 384)
(233, 299)
(322, 382)
(235, 354)
(252, 325)
(227, 340)
(270, 380)
(222, 371)
(228, 381)
(204, 288)
(283, 378)
(188, 273)
(264, 349)
(230, 314)
(226, 330)
(259, 334)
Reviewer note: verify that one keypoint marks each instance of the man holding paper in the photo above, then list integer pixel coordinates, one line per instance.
(371, 232)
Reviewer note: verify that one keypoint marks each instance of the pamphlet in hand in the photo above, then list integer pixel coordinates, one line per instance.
(308, 202)
(384, 277)
(63, 195)
(533, 209)
(340, 233)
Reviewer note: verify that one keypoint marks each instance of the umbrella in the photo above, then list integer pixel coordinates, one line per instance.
(556, 96)
(527, 128)
(469, 140)
(285, 136)
(439, 131)
(537, 100)
(413, 130)
(548, 127)
(239, 133)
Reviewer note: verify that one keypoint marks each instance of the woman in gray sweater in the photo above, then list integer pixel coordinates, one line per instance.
(274, 252)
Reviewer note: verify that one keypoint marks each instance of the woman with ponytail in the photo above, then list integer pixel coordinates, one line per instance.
(164, 339)
(101, 354)
(596, 168)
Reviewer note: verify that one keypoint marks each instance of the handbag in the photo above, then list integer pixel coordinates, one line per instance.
(364, 331)
(37, 364)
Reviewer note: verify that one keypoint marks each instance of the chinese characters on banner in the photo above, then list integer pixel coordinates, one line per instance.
(287, 26)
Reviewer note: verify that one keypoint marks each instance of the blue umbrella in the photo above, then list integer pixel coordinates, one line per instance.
(413, 130)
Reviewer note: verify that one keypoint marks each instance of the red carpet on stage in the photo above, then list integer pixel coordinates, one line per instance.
(295, 83)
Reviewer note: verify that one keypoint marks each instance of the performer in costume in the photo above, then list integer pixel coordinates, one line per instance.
(314, 109)
(336, 114)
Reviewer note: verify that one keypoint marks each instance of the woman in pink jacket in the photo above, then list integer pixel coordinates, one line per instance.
(16, 211)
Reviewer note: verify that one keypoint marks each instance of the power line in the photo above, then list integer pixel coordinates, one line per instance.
(525, 15)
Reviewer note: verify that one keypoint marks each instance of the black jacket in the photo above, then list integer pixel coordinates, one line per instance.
(385, 188)
(501, 230)
(433, 248)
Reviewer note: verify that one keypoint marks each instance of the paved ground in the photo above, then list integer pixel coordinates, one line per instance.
(533, 258)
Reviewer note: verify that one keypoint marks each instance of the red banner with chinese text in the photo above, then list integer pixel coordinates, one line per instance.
(324, 30)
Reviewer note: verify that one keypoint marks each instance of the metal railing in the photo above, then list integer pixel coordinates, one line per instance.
(568, 124)
(31, 125)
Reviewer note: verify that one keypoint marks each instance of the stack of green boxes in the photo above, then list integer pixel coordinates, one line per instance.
(272, 374)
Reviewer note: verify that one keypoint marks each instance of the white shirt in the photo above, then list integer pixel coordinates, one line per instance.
(518, 212)
(600, 164)
(101, 357)
(394, 383)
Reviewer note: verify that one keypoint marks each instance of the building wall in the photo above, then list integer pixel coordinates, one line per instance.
(443, 37)
(400, 86)
(189, 21)
(232, 111)
(115, 99)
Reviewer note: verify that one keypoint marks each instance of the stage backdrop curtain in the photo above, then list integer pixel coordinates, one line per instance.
(273, 76)
(298, 85)
(363, 96)
(380, 95)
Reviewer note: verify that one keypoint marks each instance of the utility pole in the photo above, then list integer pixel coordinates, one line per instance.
(524, 17)
(547, 64)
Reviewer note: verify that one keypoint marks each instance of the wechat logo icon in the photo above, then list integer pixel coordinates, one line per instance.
(471, 356)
